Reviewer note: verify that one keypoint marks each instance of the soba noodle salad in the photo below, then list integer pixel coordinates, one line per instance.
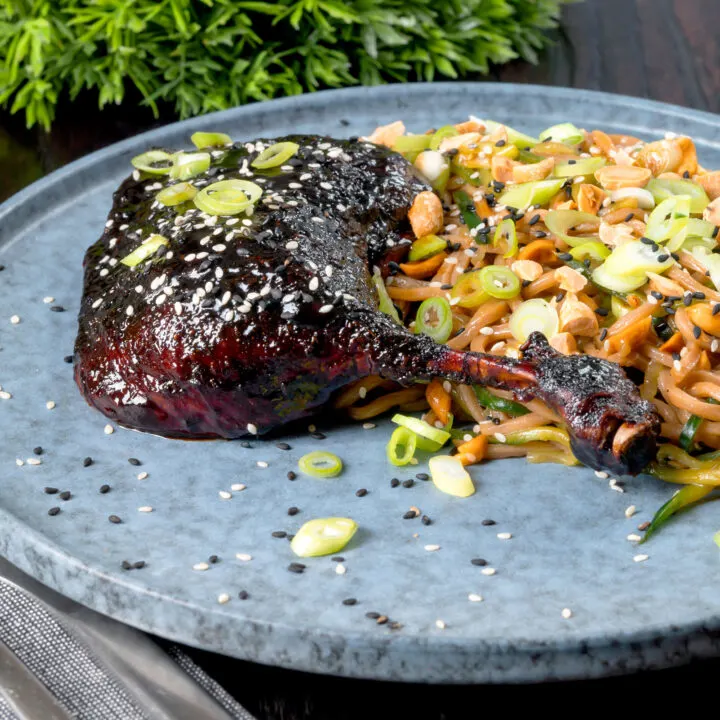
(605, 243)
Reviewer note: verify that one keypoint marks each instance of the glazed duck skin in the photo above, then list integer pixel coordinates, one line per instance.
(242, 324)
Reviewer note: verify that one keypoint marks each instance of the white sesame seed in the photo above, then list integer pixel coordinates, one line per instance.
(432, 548)
(677, 365)
(129, 310)
(314, 284)
(97, 304)
(488, 571)
(243, 556)
(640, 558)
(369, 426)
(200, 566)
(262, 464)
(178, 308)
(252, 429)
(109, 429)
(474, 597)
(714, 345)
(142, 476)
(292, 245)
(634, 537)
(486, 331)
(328, 270)
(34, 461)
(19, 462)
(47, 300)
(5, 395)
(500, 437)
(50, 404)
(238, 487)
(504, 536)
(440, 624)
(160, 299)
(15, 319)
(340, 569)
(566, 613)
(601, 474)
(325, 309)
(224, 494)
(145, 509)
(223, 598)
(615, 486)
(630, 511)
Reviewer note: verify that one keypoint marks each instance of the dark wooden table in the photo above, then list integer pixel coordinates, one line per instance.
(661, 49)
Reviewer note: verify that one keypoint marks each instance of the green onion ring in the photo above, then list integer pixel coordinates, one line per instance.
(176, 194)
(434, 318)
(275, 155)
(148, 162)
(188, 165)
(228, 197)
(320, 464)
(210, 139)
(144, 251)
(400, 449)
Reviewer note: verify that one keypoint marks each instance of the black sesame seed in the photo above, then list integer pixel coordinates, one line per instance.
(68, 359)
(139, 565)
(297, 568)
(349, 601)
(282, 446)
(480, 562)
(362, 492)
(317, 435)
(395, 482)
(87, 462)
(697, 332)
(699, 295)
(290, 537)
(2, 267)
(393, 267)
(487, 522)
(572, 162)
(657, 295)
(338, 558)
(676, 356)
(125, 565)
(426, 520)
(134, 461)
(662, 258)
(213, 559)
(686, 174)
(654, 247)
(560, 297)
(291, 475)
(279, 534)
(675, 256)
(716, 309)
(603, 334)
(501, 143)
(446, 286)
(408, 483)
(65, 495)
(293, 510)
(629, 217)
(114, 519)
(57, 308)
(50, 490)
(534, 219)
(243, 594)
(38, 450)
(104, 489)
(540, 234)
(602, 311)
(495, 421)
(498, 186)
(372, 615)
(382, 620)
(53, 511)
(409, 515)
(525, 283)
(687, 300)
(422, 476)
(245, 444)
(715, 232)
(565, 256)
(669, 310)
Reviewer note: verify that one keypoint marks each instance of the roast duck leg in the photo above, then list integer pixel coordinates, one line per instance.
(238, 325)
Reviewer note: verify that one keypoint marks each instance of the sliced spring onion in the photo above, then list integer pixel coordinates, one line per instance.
(450, 476)
(594, 250)
(565, 133)
(581, 166)
(145, 251)
(617, 283)
(527, 157)
(410, 146)
(499, 282)
(507, 235)
(188, 165)
(467, 209)
(401, 448)
(618, 307)
(536, 315)
(440, 134)
(520, 140)
(385, 304)
(689, 431)
(228, 197)
(636, 258)
(471, 176)
(470, 290)
(275, 155)
(558, 222)
(710, 261)
(426, 247)
(210, 139)
(662, 189)
(420, 427)
(541, 434)
(523, 195)
(493, 402)
(320, 464)
(324, 536)
(434, 318)
(683, 498)
(435, 167)
(668, 218)
(176, 194)
(645, 199)
(153, 162)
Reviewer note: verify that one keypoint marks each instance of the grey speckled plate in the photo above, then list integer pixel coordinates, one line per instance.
(568, 546)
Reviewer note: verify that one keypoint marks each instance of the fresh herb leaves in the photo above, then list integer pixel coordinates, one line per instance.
(207, 55)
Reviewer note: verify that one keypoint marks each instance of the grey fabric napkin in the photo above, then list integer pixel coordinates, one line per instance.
(59, 660)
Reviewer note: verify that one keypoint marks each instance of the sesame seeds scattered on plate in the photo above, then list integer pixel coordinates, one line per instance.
(440, 624)
(634, 537)
(340, 569)
(504, 536)
(474, 597)
(432, 548)
(108, 429)
(567, 613)
(630, 511)
(142, 476)
(243, 557)
(223, 598)
(601, 474)
(50, 405)
(145, 509)
(238, 487)
(488, 571)
(640, 558)
(224, 494)
(201, 566)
